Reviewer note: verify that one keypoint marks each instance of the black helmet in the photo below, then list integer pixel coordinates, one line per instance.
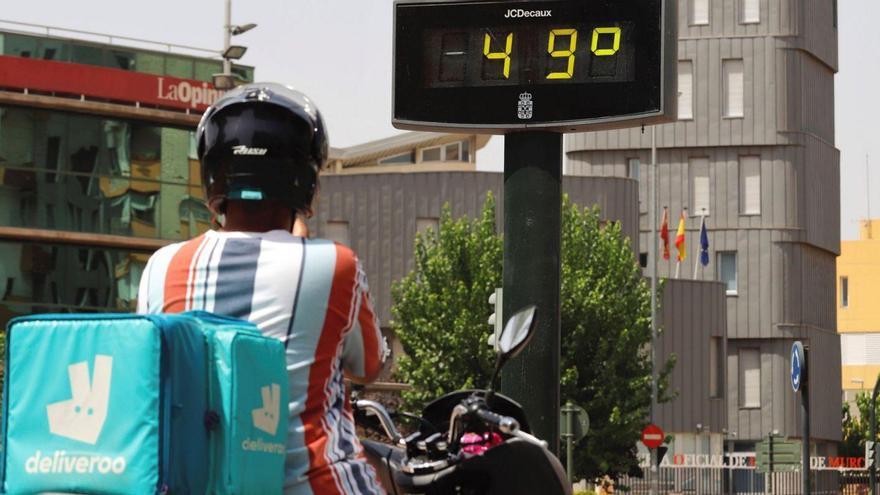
(262, 141)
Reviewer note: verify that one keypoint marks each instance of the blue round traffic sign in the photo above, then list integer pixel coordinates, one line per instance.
(798, 365)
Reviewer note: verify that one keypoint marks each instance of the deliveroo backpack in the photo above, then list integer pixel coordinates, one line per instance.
(127, 404)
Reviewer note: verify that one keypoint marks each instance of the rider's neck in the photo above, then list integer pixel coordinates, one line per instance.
(257, 216)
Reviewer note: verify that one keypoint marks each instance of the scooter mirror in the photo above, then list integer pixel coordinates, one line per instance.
(517, 332)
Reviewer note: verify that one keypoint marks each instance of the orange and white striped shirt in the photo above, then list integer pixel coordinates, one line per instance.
(313, 296)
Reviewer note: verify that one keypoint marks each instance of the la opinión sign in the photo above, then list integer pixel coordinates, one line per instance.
(105, 84)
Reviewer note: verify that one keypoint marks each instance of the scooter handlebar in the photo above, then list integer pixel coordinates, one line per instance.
(505, 424)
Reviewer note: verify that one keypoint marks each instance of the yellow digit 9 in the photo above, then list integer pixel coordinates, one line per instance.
(505, 55)
(572, 45)
(604, 52)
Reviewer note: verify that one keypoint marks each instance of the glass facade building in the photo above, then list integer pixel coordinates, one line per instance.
(116, 57)
(103, 177)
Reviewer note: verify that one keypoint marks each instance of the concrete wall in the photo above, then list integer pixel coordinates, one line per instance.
(692, 313)
(784, 415)
(382, 212)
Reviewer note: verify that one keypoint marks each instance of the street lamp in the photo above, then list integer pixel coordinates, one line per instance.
(236, 30)
(234, 52)
(227, 80)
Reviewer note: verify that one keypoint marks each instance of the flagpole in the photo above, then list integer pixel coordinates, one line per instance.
(654, 251)
(699, 251)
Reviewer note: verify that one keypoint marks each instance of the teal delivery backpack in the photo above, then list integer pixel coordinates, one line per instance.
(127, 404)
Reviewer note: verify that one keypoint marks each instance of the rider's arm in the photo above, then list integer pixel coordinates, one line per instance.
(144, 290)
(364, 350)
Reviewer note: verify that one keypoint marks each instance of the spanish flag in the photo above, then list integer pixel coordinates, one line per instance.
(679, 240)
(664, 233)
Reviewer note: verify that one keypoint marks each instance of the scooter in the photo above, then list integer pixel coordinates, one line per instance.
(472, 442)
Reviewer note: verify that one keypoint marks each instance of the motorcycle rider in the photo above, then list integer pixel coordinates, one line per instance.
(261, 147)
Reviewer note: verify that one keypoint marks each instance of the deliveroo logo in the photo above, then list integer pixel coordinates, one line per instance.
(82, 417)
(266, 417)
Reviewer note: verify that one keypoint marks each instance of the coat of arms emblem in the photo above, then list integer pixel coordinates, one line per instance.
(525, 106)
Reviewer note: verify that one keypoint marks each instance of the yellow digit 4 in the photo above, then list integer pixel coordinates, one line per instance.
(604, 52)
(487, 47)
(572, 45)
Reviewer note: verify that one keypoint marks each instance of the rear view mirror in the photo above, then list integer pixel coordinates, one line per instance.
(517, 333)
(513, 339)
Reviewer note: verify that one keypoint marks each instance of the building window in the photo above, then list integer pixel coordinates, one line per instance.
(716, 368)
(727, 271)
(860, 349)
(699, 12)
(643, 260)
(402, 158)
(337, 231)
(750, 185)
(432, 154)
(453, 152)
(844, 292)
(733, 87)
(685, 90)
(750, 11)
(633, 168)
(700, 186)
(750, 378)
(634, 171)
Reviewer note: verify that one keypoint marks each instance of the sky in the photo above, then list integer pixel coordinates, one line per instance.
(339, 53)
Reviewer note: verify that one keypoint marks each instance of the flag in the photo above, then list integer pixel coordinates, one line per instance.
(704, 244)
(664, 233)
(679, 240)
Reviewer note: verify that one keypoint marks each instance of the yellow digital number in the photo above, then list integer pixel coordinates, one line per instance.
(508, 48)
(604, 52)
(572, 45)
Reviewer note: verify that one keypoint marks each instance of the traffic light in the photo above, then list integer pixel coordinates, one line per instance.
(870, 453)
(496, 321)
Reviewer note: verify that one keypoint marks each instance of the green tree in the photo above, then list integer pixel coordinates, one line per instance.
(857, 429)
(440, 312)
(441, 307)
(606, 332)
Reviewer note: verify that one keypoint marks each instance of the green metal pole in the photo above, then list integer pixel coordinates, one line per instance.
(532, 257)
(873, 468)
(568, 411)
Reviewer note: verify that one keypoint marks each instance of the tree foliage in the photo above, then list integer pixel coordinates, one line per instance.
(856, 429)
(606, 332)
(440, 308)
(440, 311)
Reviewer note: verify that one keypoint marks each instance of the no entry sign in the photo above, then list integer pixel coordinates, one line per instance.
(652, 436)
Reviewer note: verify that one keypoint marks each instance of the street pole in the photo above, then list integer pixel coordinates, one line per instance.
(532, 268)
(227, 37)
(569, 411)
(805, 414)
(873, 469)
(729, 463)
(652, 242)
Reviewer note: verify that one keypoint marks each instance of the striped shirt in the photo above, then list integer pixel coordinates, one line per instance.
(310, 294)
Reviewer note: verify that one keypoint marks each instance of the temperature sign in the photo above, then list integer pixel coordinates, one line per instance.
(559, 64)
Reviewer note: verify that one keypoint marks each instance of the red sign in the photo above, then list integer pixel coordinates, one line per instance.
(104, 83)
(652, 436)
